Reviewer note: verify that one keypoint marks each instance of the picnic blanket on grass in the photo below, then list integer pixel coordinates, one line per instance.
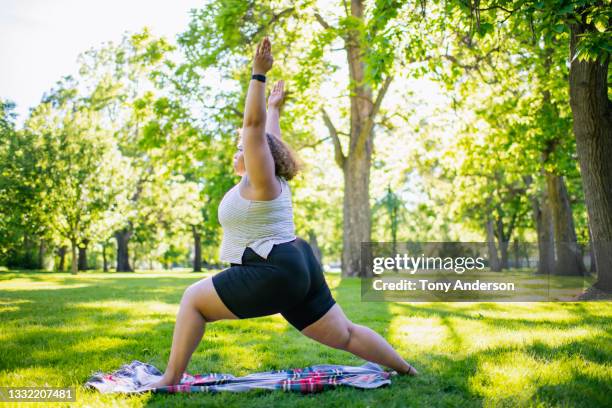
(134, 377)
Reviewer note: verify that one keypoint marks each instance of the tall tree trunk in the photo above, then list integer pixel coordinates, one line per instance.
(42, 249)
(542, 219)
(312, 241)
(543, 222)
(123, 260)
(356, 212)
(592, 114)
(503, 249)
(83, 255)
(62, 256)
(568, 254)
(356, 206)
(517, 254)
(363, 110)
(104, 258)
(197, 249)
(494, 263)
(74, 261)
(30, 252)
(503, 240)
(356, 165)
(592, 266)
(134, 255)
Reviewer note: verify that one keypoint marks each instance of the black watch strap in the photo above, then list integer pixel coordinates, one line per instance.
(259, 77)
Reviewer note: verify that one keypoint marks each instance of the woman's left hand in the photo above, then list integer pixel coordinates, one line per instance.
(276, 96)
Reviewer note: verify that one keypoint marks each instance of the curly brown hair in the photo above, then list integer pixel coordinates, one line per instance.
(286, 162)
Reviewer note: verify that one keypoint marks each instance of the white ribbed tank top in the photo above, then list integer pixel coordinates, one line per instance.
(255, 224)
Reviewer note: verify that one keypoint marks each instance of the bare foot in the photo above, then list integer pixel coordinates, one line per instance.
(411, 371)
(162, 382)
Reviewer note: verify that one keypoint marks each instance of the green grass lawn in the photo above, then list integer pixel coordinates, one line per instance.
(57, 329)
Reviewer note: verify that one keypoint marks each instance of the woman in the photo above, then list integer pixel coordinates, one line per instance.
(272, 270)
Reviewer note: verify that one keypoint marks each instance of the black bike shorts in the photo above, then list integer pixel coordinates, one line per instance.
(289, 282)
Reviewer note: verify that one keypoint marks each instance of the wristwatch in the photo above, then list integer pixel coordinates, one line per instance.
(259, 77)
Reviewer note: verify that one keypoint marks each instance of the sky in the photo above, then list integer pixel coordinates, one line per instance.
(40, 40)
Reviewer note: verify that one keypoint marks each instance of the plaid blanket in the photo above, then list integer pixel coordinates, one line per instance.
(134, 377)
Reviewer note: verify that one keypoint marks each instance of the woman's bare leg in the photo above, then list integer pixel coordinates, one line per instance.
(335, 330)
(200, 305)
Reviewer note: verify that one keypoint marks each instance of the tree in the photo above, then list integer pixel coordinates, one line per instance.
(120, 80)
(395, 212)
(23, 219)
(590, 43)
(76, 155)
(376, 39)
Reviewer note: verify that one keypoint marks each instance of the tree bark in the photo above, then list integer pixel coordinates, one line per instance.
(356, 168)
(568, 253)
(494, 263)
(83, 255)
(197, 249)
(356, 212)
(517, 254)
(42, 249)
(356, 165)
(134, 255)
(123, 260)
(62, 255)
(74, 261)
(503, 241)
(104, 258)
(592, 114)
(312, 241)
(503, 249)
(543, 221)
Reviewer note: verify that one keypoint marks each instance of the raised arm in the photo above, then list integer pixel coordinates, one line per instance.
(274, 104)
(258, 158)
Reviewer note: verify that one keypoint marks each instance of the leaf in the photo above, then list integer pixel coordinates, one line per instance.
(485, 28)
(559, 28)
(567, 9)
(600, 23)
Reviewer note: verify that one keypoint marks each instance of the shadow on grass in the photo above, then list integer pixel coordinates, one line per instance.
(74, 331)
(581, 316)
(472, 374)
(573, 387)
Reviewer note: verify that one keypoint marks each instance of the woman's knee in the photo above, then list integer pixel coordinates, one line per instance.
(203, 297)
(347, 334)
(334, 329)
(192, 295)
(341, 337)
(190, 292)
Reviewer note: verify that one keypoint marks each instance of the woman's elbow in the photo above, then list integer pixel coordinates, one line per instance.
(253, 124)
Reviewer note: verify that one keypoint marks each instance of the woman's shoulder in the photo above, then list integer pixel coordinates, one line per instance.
(284, 182)
(285, 189)
(247, 183)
